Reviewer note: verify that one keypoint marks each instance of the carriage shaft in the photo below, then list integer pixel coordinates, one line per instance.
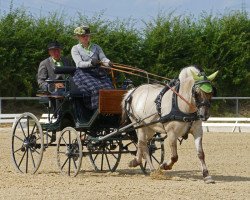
(121, 130)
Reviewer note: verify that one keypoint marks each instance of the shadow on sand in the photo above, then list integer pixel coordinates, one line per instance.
(196, 174)
(188, 175)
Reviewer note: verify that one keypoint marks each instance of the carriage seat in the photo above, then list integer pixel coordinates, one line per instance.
(109, 100)
(65, 70)
(74, 91)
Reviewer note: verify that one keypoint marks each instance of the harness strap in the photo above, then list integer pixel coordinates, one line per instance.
(158, 99)
(175, 92)
(185, 136)
(128, 107)
(175, 113)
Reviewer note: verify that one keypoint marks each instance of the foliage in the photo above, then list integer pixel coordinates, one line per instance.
(166, 44)
(215, 43)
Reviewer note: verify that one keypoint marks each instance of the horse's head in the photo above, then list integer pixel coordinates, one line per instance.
(203, 92)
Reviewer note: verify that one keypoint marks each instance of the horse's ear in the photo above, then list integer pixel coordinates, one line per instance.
(195, 76)
(212, 76)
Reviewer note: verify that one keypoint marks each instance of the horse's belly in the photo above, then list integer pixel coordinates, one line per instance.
(179, 128)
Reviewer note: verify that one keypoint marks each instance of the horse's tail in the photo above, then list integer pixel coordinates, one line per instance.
(125, 108)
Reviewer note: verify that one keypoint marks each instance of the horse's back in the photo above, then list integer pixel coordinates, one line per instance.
(142, 99)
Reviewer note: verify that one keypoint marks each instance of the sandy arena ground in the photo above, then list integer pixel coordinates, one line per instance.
(227, 158)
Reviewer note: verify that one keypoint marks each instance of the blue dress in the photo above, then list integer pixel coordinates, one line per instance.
(88, 78)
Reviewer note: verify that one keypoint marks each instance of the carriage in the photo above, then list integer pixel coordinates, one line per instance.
(78, 132)
(154, 112)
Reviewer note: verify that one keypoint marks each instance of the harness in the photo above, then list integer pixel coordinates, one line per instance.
(204, 102)
(175, 114)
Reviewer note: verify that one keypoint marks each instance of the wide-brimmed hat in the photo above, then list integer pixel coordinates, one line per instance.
(54, 45)
(82, 30)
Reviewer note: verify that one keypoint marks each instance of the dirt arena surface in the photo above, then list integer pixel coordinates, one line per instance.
(227, 158)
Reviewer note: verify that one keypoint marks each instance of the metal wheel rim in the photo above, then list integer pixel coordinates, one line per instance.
(105, 154)
(156, 160)
(69, 152)
(28, 155)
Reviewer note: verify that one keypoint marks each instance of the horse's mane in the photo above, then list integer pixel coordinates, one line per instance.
(186, 72)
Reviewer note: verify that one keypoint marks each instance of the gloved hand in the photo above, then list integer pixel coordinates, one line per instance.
(110, 64)
(95, 62)
(59, 85)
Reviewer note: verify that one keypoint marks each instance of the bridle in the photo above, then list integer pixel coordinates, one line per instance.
(198, 101)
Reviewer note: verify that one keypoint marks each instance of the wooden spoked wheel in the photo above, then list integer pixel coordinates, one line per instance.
(69, 152)
(27, 143)
(105, 155)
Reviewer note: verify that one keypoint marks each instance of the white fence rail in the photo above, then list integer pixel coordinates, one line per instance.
(240, 124)
(45, 118)
(215, 98)
(8, 118)
(219, 124)
(214, 123)
(236, 99)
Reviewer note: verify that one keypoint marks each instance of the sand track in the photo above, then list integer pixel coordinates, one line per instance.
(227, 158)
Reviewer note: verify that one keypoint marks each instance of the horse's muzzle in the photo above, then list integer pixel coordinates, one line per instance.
(203, 113)
(203, 118)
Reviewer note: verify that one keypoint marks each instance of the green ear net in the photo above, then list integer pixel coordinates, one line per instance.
(205, 87)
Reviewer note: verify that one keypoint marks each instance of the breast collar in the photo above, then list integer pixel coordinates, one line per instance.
(175, 113)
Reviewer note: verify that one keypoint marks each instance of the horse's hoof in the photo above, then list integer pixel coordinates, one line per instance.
(158, 174)
(165, 166)
(208, 180)
(133, 163)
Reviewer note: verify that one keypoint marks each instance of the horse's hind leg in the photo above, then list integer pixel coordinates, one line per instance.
(142, 150)
(172, 140)
(201, 156)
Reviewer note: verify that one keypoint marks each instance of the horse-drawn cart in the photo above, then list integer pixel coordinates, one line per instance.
(78, 132)
(153, 111)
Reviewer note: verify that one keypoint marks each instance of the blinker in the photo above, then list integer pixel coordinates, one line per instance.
(206, 87)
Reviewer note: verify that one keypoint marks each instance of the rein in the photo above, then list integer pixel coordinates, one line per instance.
(175, 113)
(139, 70)
(179, 95)
(173, 83)
(134, 71)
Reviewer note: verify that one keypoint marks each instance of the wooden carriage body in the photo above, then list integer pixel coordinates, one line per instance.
(73, 112)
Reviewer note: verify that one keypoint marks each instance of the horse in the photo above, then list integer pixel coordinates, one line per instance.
(176, 110)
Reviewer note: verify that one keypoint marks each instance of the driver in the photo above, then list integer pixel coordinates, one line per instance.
(89, 76)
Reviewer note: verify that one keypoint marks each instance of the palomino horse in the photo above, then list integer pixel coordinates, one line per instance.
(176, 110)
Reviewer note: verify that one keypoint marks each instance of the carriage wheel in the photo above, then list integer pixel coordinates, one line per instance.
(156, 152)
(27, 143)
(69, 152)
(105, 155)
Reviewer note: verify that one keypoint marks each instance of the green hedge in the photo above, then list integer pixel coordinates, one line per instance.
(164, 46)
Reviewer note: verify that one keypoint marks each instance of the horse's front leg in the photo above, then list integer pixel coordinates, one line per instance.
(172, 139)
(201, 156)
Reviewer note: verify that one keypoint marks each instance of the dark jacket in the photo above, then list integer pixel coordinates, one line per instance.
(46, 71)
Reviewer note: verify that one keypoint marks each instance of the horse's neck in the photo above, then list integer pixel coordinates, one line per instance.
(186, 92)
